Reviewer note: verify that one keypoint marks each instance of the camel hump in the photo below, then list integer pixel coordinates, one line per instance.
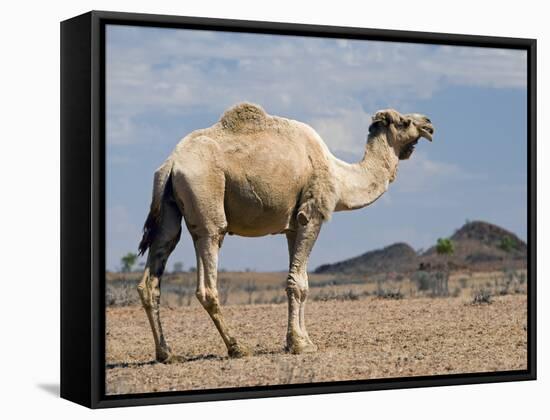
(244, 116)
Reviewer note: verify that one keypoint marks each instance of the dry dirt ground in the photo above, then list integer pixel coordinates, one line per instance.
(363, 339)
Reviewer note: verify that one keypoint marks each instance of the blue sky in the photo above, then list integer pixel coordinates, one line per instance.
(164, 83)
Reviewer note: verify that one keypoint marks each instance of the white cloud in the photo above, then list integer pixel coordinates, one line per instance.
(495, 68)
(319, 80)
(346, 130)
(120, 129)
(422, 174)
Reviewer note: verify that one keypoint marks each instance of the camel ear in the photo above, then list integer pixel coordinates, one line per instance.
(379, 117)
(386, 117)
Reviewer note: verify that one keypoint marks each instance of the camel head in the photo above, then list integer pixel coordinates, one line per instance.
(402, 131)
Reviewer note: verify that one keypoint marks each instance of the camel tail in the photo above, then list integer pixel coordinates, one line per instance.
(161, 187)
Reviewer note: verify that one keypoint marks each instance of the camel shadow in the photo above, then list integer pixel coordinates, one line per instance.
(129, 364)
(189, 359)
(200, 357)
(176, 359)
(266, 352)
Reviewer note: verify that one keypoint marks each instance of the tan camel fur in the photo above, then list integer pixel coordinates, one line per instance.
(253, 174)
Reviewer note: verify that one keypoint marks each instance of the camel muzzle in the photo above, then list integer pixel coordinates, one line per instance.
(427, 132)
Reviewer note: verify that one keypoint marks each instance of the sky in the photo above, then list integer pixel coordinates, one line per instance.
(161, 84)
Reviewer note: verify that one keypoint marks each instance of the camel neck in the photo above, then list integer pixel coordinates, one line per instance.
(362, 183)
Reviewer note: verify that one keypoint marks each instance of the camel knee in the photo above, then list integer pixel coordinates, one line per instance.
(297, 286)
(208, 298)
(144, 292)
(149, 290)
(303, 293)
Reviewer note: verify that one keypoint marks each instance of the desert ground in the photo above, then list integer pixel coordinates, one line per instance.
(365, 328)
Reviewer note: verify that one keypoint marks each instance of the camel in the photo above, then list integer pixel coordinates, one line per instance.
(254, 174)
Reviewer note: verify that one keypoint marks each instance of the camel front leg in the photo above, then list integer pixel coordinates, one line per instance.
(207, 249)
(291, 240)
(300, 246)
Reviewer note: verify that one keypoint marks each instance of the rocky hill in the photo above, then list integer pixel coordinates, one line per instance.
(397, 257)
(482, 246)
(478, 246)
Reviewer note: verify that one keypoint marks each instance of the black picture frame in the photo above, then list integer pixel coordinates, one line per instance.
(83, 209)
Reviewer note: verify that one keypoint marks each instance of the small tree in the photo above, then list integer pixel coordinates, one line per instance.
(185, 290)
(224, 288)
(444, 247)
(507, 244)
(423, 280)
(250, 287)
(178, 267)
(128, 261)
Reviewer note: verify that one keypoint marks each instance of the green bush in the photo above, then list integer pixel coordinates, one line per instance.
(444, 246)
(508, 244)
(423, 280)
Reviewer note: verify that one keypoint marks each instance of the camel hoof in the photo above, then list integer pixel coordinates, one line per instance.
(300, 347)
(238, 350)
(165, 356)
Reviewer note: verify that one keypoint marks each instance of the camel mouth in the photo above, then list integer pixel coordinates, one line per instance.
(427, 132)
(407, 150)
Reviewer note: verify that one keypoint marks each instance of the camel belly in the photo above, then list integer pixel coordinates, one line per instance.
(268, 227)
(250, 211)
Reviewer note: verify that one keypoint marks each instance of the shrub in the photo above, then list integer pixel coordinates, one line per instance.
(482, 296)
(178, 267)
(250, 287)
(436, 282)
(508, 244)
(184, 289)
(278, 299)
(423, 280)
(390, 294)
(444, 246)
(121, 293)
(324, 296)
(224, 288)
(259, 299)
(335, 282)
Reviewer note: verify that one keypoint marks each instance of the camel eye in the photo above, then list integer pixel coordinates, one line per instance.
(428, 120)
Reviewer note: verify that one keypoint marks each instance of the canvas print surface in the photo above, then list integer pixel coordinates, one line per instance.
(287, 210)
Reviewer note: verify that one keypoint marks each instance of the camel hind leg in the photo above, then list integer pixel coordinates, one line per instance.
(207, 248)
(204, 214)
(166, 238)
